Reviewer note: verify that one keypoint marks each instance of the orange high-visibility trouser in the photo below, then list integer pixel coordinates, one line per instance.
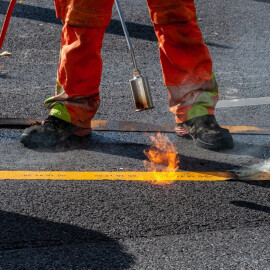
(185, 59)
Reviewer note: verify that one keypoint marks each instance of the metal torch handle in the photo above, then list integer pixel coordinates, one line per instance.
(130, 47)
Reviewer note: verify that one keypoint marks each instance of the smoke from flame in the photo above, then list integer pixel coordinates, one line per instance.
(162, 157)
(256, 171)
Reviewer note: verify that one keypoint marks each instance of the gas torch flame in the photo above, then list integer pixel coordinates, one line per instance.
(162, 157)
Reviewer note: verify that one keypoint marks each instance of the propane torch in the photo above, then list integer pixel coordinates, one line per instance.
(139, 84)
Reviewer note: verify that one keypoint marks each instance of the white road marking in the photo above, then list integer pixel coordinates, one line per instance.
(243, 102)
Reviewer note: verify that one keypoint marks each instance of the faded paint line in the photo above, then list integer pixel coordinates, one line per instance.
(119, 175)
(243, 102)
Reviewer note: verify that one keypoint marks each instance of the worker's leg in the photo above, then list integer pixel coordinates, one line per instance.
(79, 71)
(78, 77)
(80, 63)
(185, 60)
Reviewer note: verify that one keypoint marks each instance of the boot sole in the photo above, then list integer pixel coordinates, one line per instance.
(219, 145)
(51, 141)
(81, 132)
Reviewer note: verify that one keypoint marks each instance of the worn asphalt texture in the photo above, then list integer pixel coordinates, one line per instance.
(134, 225)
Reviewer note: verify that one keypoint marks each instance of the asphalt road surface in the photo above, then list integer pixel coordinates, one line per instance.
(135, 225)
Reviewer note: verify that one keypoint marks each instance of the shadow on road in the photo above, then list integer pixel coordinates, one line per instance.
(252, 206)
(264, 184)
(113, 146)
(247, 149)
(3, 76)
(47, 15)
(28, 242)
(102, 144)
(264, 1)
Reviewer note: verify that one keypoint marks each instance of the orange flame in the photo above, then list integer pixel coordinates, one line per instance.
(162, 157)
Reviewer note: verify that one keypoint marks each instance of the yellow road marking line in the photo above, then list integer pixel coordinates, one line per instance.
(239, 129)
(119, 175)
(127, 176)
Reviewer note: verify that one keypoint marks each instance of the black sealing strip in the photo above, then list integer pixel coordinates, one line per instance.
(126, 126)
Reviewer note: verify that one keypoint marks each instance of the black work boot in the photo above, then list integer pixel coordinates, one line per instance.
(206, 132)
(51, 132)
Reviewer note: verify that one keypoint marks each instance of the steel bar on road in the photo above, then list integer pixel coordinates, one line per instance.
(130, 126)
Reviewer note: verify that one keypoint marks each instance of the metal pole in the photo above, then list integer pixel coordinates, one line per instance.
(130, 47)
(6, 22)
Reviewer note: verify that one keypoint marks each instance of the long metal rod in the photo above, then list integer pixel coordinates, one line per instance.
(6, 22)
(130, 47)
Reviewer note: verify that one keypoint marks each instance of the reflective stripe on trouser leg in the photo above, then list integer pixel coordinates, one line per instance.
(193, 100)
(185, 59)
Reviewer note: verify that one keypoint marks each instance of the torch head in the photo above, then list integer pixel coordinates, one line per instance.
(141, 93)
